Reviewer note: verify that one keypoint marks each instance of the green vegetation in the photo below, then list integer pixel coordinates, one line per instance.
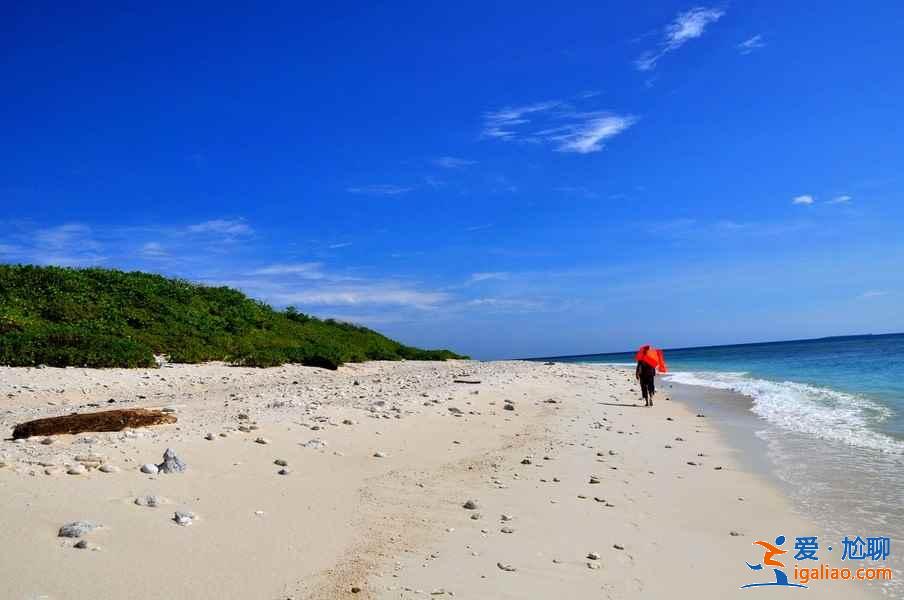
(104, 318)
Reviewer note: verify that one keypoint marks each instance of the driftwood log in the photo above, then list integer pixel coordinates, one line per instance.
(108, 420)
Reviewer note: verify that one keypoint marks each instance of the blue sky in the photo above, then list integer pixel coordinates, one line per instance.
(508, 180)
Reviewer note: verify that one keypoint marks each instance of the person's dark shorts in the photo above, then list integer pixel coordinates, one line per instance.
(647, 388)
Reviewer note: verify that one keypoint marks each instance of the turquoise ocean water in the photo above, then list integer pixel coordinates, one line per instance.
(847, 389)
(830, 415)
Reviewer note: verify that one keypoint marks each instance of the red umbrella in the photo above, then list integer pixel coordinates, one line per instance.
(653, 357)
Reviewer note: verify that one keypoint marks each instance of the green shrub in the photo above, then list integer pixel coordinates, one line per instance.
(105, 318)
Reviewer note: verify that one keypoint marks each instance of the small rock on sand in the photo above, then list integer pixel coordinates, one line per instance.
(105, 468)
(284, 471)
(379, 454)
(149, 501)
(183, 518)
(506, 567)
(594, 479)
(77, 470)
(76, 529)
(262, 440)
(171, 463)
(81, 545)
(470, 505)
(593, 556)
(149, 468)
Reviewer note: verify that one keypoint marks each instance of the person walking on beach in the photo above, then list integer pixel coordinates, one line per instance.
(646, 374)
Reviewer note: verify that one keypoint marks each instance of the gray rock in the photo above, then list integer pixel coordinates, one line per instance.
(506, 567)
(281, 462)
(593, 556)
(77, 470)
(171, 463)
(183, 518)
(315, 444)
(150, 469)
(284, 471)
(470, 505)
(105, 468)
(81, 545)
(149, 501)
(262, 440)
(76, 529)
(379, 454)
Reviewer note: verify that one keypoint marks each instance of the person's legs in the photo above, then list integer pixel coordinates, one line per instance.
(646, 385)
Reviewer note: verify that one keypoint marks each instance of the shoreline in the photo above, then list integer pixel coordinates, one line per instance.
(377, 504)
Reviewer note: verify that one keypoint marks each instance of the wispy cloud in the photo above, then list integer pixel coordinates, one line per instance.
(380, 190)
(506, 304)
(873, 294)
(153, 250)
(478, 227)
(487, 276)
(339, 245)
(226, 227)
(308, 270)
(804, 200)
(842, 199)
(502, 123)
(686, 26)
(379, 294)
(67, 245)
(751, 44)
(451, 162)
(590, 135)
(557, 124)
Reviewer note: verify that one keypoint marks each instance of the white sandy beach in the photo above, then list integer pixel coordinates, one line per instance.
(381, 458)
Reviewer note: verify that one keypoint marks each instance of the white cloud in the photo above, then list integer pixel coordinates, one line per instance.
(842, 199)
(451, 162)
(67, 245)
(686, 26)
(362, 295)
(557, 124)
(804, 199)
(380, 190)
(499, 124)
(227, 227)
(340, 245)
(873, 294)
(478, 227)
(506, 304)
(751, 44)
(308, 270)
(153, 250)
(589, 136)
(477, 277)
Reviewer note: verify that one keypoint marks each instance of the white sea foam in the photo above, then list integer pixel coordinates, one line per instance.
(825, 413)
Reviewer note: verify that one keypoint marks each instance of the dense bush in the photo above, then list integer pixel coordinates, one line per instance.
(105, 318)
